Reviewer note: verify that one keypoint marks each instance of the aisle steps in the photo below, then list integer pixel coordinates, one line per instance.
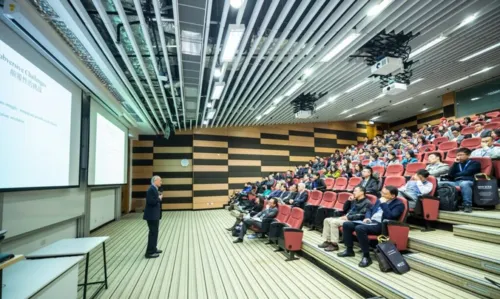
(478, 232)
(479, 217)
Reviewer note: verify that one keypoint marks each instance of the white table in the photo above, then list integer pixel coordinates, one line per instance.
(76, 247)
(51, 278)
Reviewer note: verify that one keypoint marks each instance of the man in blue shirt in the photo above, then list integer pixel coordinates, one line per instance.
(462, 174)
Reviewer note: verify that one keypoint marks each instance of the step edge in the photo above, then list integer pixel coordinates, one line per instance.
(475, 229)
(454, 214)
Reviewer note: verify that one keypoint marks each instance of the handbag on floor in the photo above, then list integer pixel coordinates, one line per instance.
(485, 191)
(392, 256)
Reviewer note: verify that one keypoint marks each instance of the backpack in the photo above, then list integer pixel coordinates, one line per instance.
(448, 198)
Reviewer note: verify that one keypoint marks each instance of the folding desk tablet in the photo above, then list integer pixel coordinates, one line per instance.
(76, 247)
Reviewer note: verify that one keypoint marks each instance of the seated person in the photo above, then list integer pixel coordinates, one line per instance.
(374, 161)
(409, 158)
(270, 181)
(333, 172)
(286, 196)
(455, 135)
(417, 186)
(357, 170)
(354, 208)
(387, 207)
(495, 134)
(369, 182)
(277, 192)
(462, 174)
(436, 168)
(392, 158)
(261, 220)
(317, 183)
(300, 198)
(488, 149)
(265, 191)
(480, 131)
(252, 211)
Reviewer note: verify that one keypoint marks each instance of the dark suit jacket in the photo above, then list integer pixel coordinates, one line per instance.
(467, 173)
(371, 186)
(300, 199)
(320, 185)
(392, 210)
(152, 211)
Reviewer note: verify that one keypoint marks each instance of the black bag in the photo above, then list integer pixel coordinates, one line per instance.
(485, 191)
(383, 264)
(392, 255)
(236, 231)
(448, 199)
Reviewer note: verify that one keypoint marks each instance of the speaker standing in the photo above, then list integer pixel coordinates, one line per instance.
(152, 214)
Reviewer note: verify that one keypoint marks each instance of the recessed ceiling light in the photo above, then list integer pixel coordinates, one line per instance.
(364, 104)
(236, 3)
(341, 46)
(218, 88)
(234, 36)
(308, 72)
(475, 99)
(278, 99)
(493, 92)
(424, 109)
(269, 110)
(467, 20)
(406, 100)
(357, 86)
(205, 122)
(351, 115)
(427, 46)
(416, 81)
(258, 117)
(345, 111)
(480, 52)
(482, 71)
(210, 105)
(217, 72)
(453, 82)
(375, 10)
(294, 88)
(211, 113)
(375, 117)
(427, 91)
(371, 122)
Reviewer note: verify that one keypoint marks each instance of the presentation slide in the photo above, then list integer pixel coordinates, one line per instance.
(35, 125)
(109, 153)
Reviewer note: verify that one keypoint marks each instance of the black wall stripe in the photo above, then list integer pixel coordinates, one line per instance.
(180, 187)
(429, 118)
(242, 142)
(360, 126)
(209, 162)
(179, 140)
(362, 134)
(141, 181)
(210, 193)
(210, 137)
(273, 158)
(275, 163)
(244, 157)
(275, 147)
(233, 169)
(142, 162)
(149, 137)
(403, 121)
(139, 194)
(174, 175)
(246, 174)
(210, 174)
(238, 186)
(142, 150)
(214, 150)
(347, 135)
(449, 111)
(324, 131)
(324, 142)
(300, 133)
(172, 200)
(273, 136)
(166, 156)
(210, 180)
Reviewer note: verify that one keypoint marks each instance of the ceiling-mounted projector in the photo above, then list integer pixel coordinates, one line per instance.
(394, 88)
(388, 65)
(302, 114)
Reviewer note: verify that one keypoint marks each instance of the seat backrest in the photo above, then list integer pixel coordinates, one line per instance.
(402, 218)
(365, 162)
(354, 163)
(329, 199)
(486, 164)
(426, 156)
(496, 167)
(315, 197)
(467, 131)
(428, 147)
(451, 155)
(419, 156)
(471, 143)
(432, 180)
(495, 119)
(396, 181)
(283, 213)
(394, 170)
(492, 126)
(353, 182)
(296, 218)
(448, 145)
(379, 169)
(372, 198)
(329, 182)
(342, 197)
(340, 183)
(493, 114)
(399, 157)
(438, 141)
(412, 168)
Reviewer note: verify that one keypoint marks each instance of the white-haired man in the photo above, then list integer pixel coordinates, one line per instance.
(152, 214)
(301, 197)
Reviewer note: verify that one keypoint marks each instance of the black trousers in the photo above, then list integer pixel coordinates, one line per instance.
(248, 223)
(152, 236)
(310, 214)
(362, 232)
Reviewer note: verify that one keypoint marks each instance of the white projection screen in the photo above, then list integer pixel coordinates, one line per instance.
(108, 148)
(40, 118)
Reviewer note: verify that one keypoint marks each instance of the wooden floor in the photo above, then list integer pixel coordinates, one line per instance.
(200, 261)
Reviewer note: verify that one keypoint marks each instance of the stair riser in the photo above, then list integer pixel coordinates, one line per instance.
(461, 282)
(468, 219)
(476, 262)
(482, 236)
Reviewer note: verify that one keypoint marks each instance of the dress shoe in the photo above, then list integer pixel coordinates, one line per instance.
(238, 240)
(159, 251)
(365, 262)
(324, 244)
(346, 253)
(229, 229)
(467, 209)
(152, 255)
(332, 247)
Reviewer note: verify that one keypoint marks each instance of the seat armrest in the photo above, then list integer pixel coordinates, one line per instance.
(291, 229)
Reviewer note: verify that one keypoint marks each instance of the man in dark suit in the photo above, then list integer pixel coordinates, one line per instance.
(301, 197)
(318, 184)
(152, 214)
(262, 220)
(370, 183)
(389, 207)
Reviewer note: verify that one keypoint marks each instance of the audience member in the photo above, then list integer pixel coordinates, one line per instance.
(354, 209)
(417, 186)
(462, 174)
(347, 168)
(495, 134)
(480, 131)
(240, 214)
(374, 161)
(370, 183)
(488, 149)
(409, 158)
(389, 207)
(436, 168)
(318, 183)
(300, 198)
(261, 220)
(392, 159)
(467, 121)
(455, 135)
(428, 135)
(357, 170)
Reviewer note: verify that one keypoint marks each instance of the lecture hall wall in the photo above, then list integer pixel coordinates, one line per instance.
(223, 159)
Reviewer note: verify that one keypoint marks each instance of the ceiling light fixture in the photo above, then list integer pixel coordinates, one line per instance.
(205, 122)
(351, 115)
(375, 10)
(380, 96)
(357, 86)
(424, 109)
(218, 88)
(371, 122)
(210, 105)
(475, 99)
(294, 88)
(375, 117)
(234, 36)
(493, 92)
(278, 99)
(427, 91)
(332, 98)
(364, 104)
(467, 20)
(269, 110)
(345, 111)
(258, 117)
(416, 81)
(217, 72)
(453, 82)
(211, 113)
(427, 46)
(236, 3)
(480, 52)
(341, 46)
(322, 105)
(482, 71)
(406, 100)
(308, 72)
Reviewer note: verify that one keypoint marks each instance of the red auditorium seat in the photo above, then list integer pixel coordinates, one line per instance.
(372, 198)
(399, 157)
(326, 205)
(467, 131)
(412, 168)
(426, 156)
(429, 206)
(396, 181)
(394, 170)
(354, 163)
(492, 126)
(315, 197)
(291, 239)
(340, 183)
(486, 164)
(296, 181)
(342, 197)
(329, 182)
(283, 213)
(495, 120)
(419, 156)
(427, 147)
(439, 140)
(448, 145)
(379, 169)
(496, 168)
(329, 199)
(471, 143)
(451, 155)
(312, 205)
(353, 182)
(365, 162)
(493, 114)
